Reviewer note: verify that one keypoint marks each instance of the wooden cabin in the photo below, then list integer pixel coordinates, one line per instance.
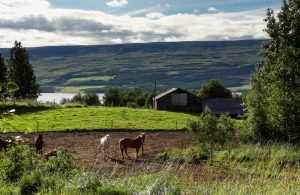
(178, 100)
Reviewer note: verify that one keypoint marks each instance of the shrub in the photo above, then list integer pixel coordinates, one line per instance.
(91, 99)
(62, 164)
(29, 184)
(132, 105)
(16, 162)
(140, 101)
(209, 131)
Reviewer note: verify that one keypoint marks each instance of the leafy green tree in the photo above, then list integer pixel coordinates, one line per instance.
(21, 72)
(113, 97)
(273, 103)
(140, 101)
(149, 100)
(214, 89)
(91, 99)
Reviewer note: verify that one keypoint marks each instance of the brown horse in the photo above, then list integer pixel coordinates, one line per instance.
(136, 143)
(39, 144)
(3, 144)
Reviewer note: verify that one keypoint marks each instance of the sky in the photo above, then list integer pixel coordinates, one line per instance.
(96, 22)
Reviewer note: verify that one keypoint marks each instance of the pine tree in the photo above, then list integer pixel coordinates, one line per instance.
(274, 102)
(21, 72)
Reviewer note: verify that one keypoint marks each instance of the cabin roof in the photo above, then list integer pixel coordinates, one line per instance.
(224, 105)
(170, 91)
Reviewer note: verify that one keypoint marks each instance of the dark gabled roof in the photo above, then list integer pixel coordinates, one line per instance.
(170, 91)
(224, 105)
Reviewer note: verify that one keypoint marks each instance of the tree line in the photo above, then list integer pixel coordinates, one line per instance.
(137, 98)
(18, 71)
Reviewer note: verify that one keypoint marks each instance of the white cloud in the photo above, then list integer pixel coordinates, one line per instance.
(117, 3)
(212, 9)
(167, 5)
(117, 40)
(155, 15)
(26, 3)
(45, 25)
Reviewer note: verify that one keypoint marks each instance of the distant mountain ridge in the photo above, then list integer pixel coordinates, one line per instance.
(178, 64)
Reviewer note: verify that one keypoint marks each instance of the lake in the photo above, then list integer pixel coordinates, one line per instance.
(57, 97)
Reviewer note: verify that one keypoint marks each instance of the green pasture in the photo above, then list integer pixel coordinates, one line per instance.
(93, 78)
(93, 118)
(78, 89)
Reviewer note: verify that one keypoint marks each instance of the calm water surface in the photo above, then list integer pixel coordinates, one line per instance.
(57, 97)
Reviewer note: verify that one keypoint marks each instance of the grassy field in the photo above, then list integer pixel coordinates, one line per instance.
(93, 118)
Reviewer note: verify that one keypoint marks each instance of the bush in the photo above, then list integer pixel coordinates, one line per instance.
(91, 99)
(132, 105)
(62, 164)
(16, 162)
(208, 130)
(140, 101)
(29, 184)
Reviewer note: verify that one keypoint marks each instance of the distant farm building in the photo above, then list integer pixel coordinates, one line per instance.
(218, 106)
(179, 100)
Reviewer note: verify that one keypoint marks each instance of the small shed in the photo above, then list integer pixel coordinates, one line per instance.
(177, 99)
(218, 106)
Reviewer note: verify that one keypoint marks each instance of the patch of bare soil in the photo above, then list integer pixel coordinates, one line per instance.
(85, 147)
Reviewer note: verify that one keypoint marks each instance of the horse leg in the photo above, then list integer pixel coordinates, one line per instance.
(137, 153)
(122, 149)
(126, 152)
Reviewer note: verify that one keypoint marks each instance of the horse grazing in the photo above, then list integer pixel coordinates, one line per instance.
(4, 144)
(136, 143)
(39, 144)
(104, 144)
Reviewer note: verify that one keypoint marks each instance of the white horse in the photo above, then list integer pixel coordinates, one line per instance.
(104, 144)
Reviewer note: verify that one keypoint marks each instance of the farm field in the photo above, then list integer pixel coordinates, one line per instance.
(94, 118)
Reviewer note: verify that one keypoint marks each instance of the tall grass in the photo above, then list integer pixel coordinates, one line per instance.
(240, 175)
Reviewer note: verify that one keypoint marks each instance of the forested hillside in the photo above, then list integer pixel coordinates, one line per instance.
(181, 64)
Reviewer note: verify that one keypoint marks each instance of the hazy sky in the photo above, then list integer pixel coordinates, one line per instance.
(90, 22)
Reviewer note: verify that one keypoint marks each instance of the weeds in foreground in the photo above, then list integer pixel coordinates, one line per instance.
(241, 172)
